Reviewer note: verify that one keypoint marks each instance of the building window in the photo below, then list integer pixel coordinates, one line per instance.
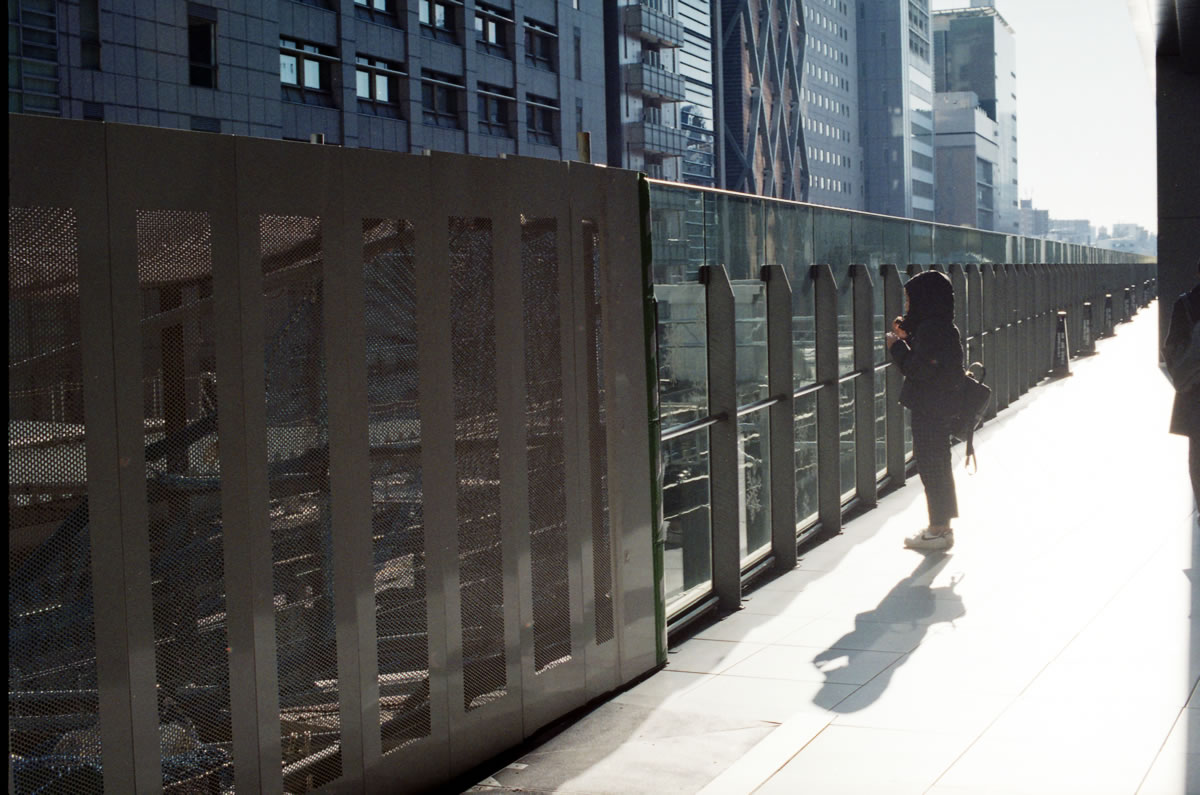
(578, 54)
(540, 45)
(438, 20)
(440, 99)
(377, 84)
(495, 110)
(305, 70)
(202, 46)
(540, 116)
(380, 11)
(89, 33)
(493, 31)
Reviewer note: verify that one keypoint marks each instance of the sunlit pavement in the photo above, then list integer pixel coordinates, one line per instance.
(1053, 650)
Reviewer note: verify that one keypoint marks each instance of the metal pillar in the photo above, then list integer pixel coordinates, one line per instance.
(829, 490)
(893, 306)
(723, 437)
(864, 390)
(783, 418)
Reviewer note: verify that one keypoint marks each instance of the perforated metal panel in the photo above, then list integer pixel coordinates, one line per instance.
(598, 434)
(183, 499)
(477, 469)
(397, 492)
(545, 444)
(299, 508)
(53, 734)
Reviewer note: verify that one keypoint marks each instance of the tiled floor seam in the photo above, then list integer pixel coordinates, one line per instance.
(1158, 753)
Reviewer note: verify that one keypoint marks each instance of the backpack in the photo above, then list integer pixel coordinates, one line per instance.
(1185, 369)
(971, 402)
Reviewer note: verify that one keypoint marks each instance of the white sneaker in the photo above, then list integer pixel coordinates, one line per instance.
(926, 540)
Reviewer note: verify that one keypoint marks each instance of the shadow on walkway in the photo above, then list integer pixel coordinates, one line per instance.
(911, 604)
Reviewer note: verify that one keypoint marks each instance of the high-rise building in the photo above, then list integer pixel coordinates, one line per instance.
(975, 50)
(1034, 222)
(645, 89)
(966, 150)
(698, 113)
(830, 103)
(511, 76)
(895, 93)
(762, 55)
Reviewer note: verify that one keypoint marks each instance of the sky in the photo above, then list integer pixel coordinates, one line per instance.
(1085, 110)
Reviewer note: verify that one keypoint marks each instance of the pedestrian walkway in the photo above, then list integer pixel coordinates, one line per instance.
(1053, 650)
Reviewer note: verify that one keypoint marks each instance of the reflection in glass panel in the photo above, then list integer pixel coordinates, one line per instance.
(804, 330)
(739, 235)
(805, 409)
(750, 339)
(951, 245)
(677, 229)
(920, 244)
(754, 481)
(881, 399)
(908, 440)
(688, 556)
(866, 239)
(831, 238)
(682, 353)
(845, 319)
(846, 440)
(788, 239)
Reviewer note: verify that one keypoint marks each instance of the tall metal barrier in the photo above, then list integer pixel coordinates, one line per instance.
(328, 469)
(728, 410)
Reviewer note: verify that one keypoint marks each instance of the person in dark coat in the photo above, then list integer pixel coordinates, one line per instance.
(1185, 415)
(927, 347)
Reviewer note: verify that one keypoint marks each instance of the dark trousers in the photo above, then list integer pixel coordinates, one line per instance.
(931, 449)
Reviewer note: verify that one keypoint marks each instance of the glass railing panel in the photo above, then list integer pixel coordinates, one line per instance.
(677, 231)
(805, 435)
(754, 482)
(682, 353)
(845, 318)
(750, 338)
(738, 235)
(866, 239)
(920, 244)
(881, 403)
(686, 500)
(846, 437)
(951, 245)
(831, 237)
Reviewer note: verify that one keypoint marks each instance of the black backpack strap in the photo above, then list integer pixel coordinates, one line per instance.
(970, 459)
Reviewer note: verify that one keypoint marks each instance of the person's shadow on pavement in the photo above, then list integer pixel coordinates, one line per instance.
(898, 622)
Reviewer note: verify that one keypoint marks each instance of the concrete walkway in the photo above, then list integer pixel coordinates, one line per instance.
(1054, 650)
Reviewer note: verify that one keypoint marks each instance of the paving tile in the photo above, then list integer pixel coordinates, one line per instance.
(754, 627)
(833, 633)
(661, 689)
(776, 700)
(1025, 768)
(844, 759)
(702, 656)
(1172, 774)
(836, 666)
(924, 710)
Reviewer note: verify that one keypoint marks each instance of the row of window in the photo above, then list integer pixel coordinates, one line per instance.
(819, 155)
(833, 53)
(918, 17)
(828, 130)
(823, 74)
(918, 46)
(827, 103)
(822, 21)
(304, 71)
(838, 5)
(832, 185)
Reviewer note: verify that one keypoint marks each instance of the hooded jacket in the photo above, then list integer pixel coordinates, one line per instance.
(931, 358)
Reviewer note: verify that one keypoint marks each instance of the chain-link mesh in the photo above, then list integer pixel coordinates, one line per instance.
(53, 724)
(297, 420)
(477, 455)
(183, 499)
(597, 434)
(398, 524)
(544, 443)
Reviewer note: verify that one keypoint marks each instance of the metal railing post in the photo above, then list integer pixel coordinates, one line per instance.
(990, 309)
(829, 490)
(783, 417)
(864, 388)
(1012, 335)
(974, 331)
(1002, 326)
(723, 437)
(893, 306)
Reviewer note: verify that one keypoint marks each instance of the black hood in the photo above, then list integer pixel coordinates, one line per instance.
(930, 296)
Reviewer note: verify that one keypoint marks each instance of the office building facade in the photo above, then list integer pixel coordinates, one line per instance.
(967, 151)
(645, 89)
(895, 52)
(831, 103)
(975, 50)
(507, 77)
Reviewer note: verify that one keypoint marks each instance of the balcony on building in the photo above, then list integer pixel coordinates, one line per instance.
(654, 81)
(657, 138)
(649, 23)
